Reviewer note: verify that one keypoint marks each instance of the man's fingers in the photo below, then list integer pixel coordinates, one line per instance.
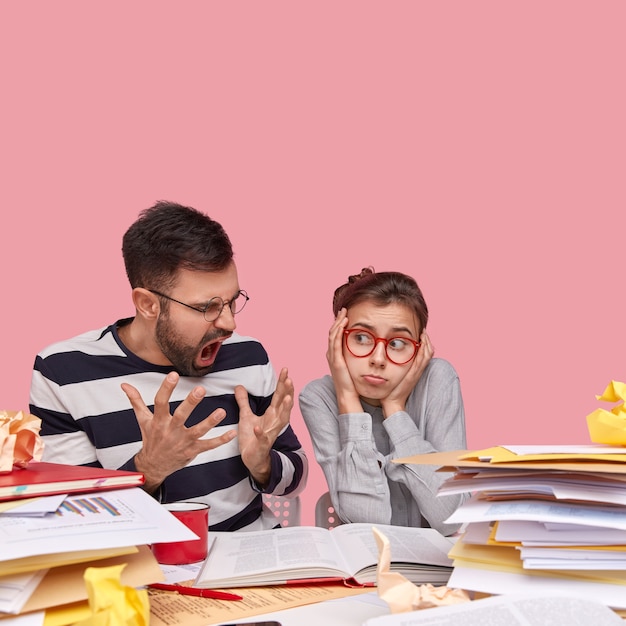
(286, 405)
(193, 399)
(216, 442)
(285, 410)
(241, 395)
(284, 388)
(202, 428)
(279, 417)
(132, 394)
(163, 395)
(136, 401)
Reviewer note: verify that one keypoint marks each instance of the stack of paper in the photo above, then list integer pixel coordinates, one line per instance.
(539, 518)
(49, 541)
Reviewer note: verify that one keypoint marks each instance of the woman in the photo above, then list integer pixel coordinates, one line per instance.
(386, 398)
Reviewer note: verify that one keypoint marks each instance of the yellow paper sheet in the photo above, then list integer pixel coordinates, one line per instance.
(67, 614)
(504, 558)
(499, 454)
(46, 561)
(13, 504)
(609, 426)
(451, 460)
(66, 585)
(111, 602)
(492, 541)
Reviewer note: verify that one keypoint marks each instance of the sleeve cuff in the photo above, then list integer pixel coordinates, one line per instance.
(355, 427)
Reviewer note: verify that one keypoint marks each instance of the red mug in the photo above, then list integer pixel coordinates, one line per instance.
(195, 515)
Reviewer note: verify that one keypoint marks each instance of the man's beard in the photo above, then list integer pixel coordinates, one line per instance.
(181, 356)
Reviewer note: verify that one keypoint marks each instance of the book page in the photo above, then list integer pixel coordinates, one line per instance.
(297, 551)
(411, 545)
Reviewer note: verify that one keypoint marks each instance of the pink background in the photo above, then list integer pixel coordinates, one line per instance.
(479, 146)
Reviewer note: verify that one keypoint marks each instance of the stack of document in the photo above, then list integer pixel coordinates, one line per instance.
(549, 519)
(48, 542)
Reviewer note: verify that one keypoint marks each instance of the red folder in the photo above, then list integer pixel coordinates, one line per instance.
(40, 478)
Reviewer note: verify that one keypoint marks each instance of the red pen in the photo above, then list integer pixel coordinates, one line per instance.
(195, 591)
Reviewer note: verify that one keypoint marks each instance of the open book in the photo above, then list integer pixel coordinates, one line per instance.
(305, 553)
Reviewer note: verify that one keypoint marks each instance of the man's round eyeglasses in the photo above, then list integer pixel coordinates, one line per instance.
(362, 343)
(214, 307)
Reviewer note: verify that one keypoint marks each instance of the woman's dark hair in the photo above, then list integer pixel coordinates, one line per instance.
(168, 237)
(382, 288)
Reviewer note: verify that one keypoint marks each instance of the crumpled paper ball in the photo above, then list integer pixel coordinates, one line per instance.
(19, 440)
(401, 594)
(609, 427)
(112, 603)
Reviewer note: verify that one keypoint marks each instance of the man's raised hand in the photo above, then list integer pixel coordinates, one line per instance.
(167, 444)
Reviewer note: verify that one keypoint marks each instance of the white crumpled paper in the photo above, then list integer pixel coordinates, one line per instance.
(19, 440)
(401, 594)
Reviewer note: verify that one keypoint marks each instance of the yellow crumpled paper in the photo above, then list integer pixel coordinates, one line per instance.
(401, 594)
(19, 440)
(111, 603)
(609, 426)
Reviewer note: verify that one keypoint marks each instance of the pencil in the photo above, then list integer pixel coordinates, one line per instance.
(195, 591)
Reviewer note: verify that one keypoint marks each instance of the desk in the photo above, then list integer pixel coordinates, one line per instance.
(352, 611)
(515, 610)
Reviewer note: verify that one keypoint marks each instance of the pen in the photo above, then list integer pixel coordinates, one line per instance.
(195, 591)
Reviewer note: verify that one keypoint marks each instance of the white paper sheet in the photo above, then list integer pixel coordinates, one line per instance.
(476, 510)
(35, 506)
(529, 532)
(15, 590)
(500, 582)
(508, 611)
(105, 519)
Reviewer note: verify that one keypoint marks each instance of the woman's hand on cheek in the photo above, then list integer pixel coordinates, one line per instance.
(396, 400)
(334, 353)
(347, 397)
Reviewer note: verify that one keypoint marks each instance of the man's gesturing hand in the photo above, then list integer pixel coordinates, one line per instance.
(257, 433)
(167, 444)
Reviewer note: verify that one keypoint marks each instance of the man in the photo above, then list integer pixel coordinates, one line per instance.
(217, 429)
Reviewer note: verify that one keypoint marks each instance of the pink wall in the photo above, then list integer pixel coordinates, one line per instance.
(479, 146)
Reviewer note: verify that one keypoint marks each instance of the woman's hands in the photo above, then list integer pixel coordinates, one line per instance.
(347, 396)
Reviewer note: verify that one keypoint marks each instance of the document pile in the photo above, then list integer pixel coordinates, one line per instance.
(549, 519)
(50, 542)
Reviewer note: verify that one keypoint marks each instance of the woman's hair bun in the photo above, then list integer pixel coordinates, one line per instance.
(364, 272)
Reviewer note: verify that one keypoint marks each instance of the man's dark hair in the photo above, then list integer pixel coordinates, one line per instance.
(168, 237)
